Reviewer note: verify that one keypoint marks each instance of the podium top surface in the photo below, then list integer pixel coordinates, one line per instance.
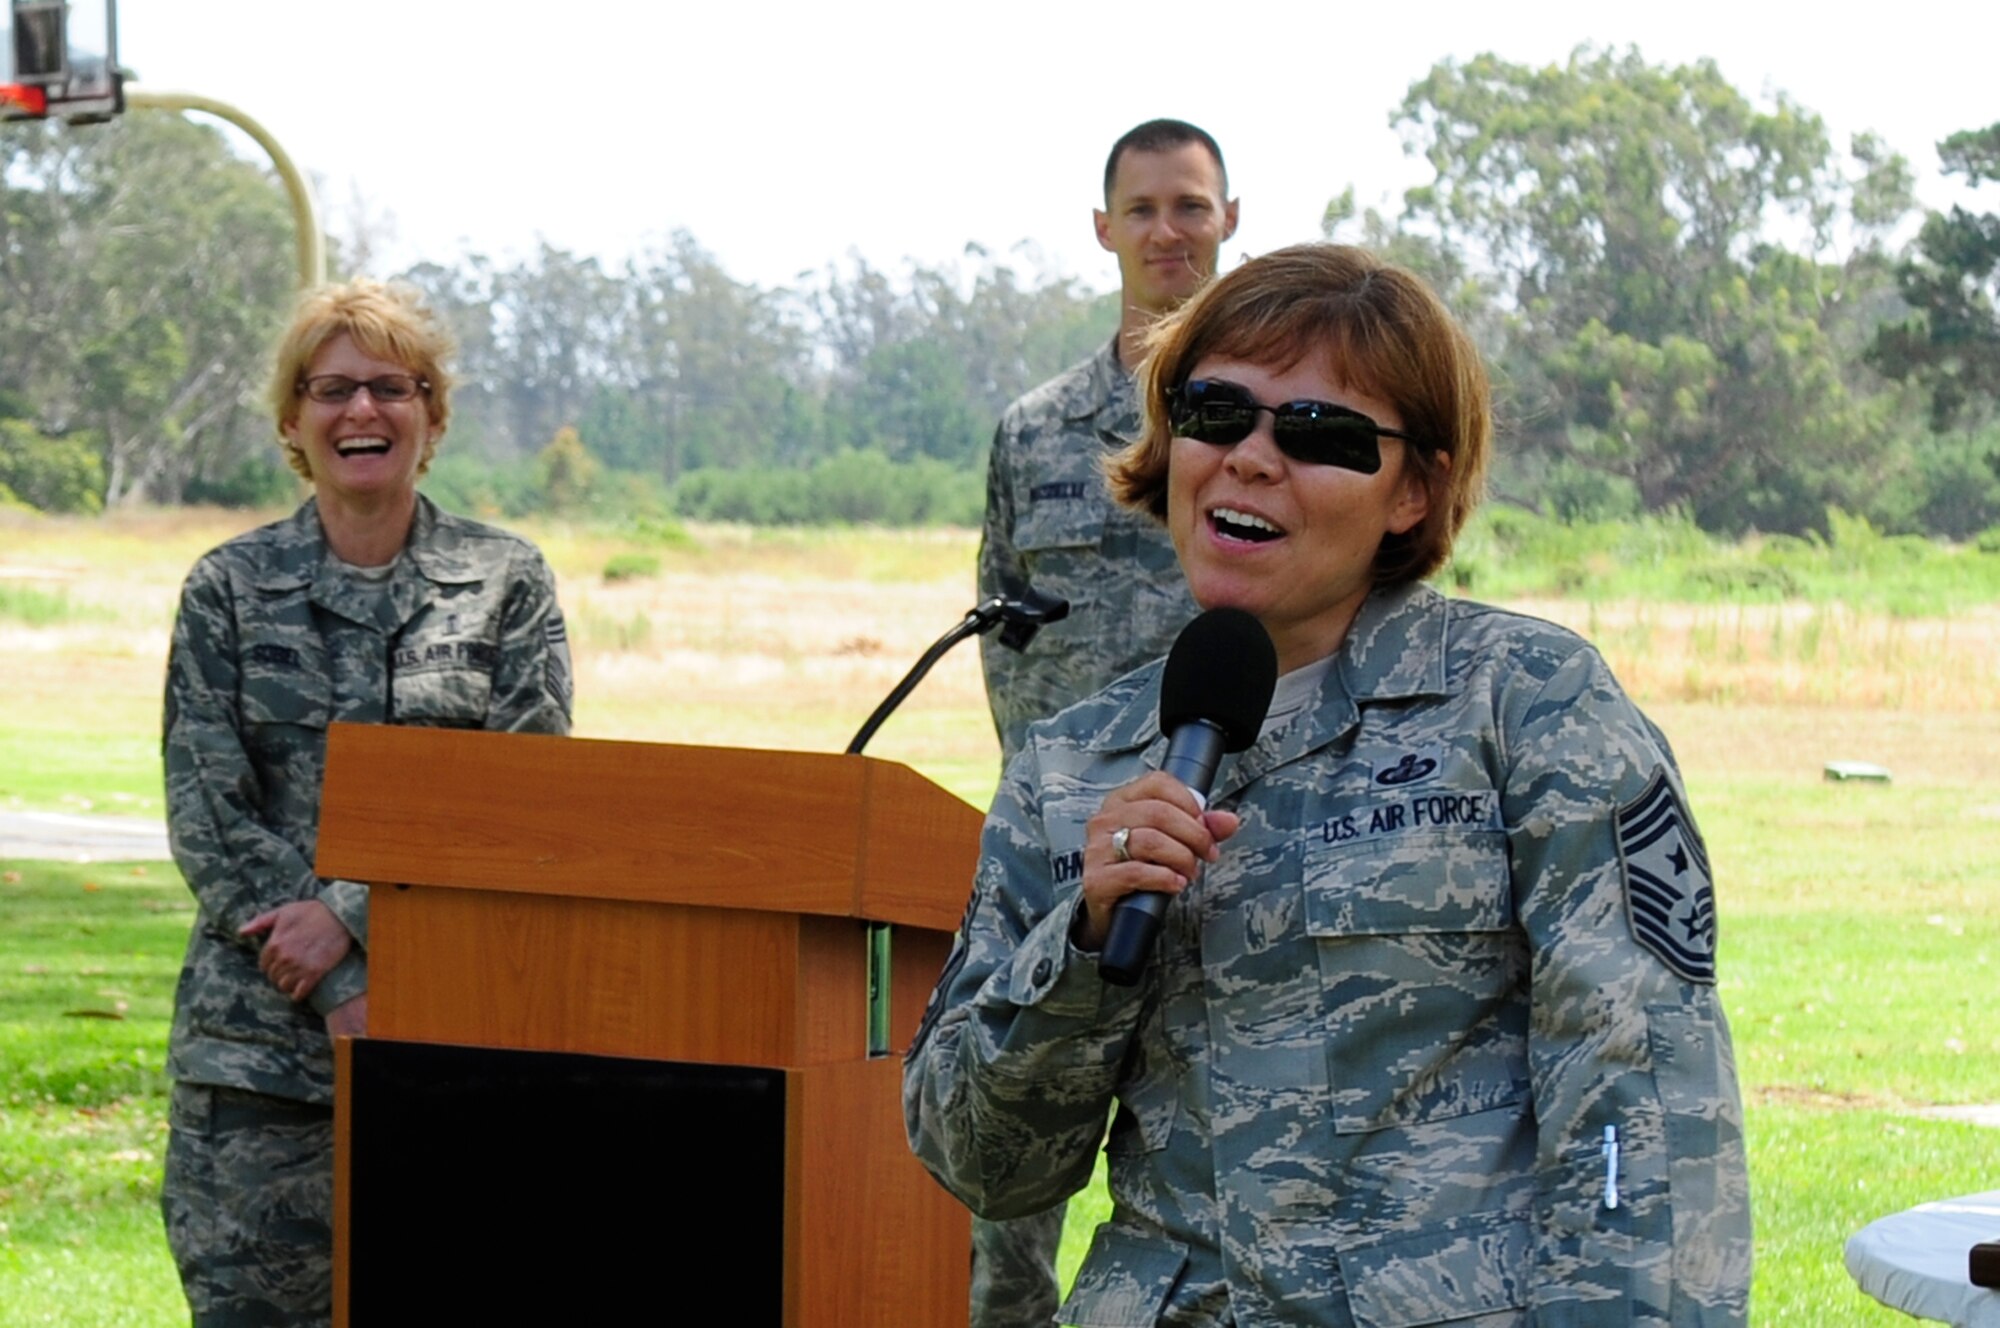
(724, 827)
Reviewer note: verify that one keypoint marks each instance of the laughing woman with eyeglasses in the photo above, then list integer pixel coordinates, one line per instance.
(1430, 1031)
(368, 604)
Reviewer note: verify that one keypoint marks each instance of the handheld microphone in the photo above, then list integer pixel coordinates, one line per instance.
(1214, 694)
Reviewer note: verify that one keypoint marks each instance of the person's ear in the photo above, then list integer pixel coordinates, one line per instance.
(1413, 504)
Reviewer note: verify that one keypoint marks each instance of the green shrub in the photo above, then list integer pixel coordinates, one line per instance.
(1509, 552)
(42, 608)
(851, 487)
(1575, 492)
(482, 487)
(1738, 581)
(1959, 478)
(567, 472)
(662, 532)
(631, 566)
(255, 483)
(51, 474)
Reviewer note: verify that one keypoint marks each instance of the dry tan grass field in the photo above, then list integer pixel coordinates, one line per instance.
(783, 638)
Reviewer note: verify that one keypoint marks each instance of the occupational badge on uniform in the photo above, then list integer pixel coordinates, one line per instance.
(1669, 894)
(1408, 768)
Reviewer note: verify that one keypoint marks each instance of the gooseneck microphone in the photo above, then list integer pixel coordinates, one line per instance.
(1214, 694)
(1018, 621)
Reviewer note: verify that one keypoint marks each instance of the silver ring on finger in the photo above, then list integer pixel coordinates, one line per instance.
(1121, 844)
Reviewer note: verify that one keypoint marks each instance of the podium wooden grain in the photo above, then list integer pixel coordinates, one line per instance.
(675, 904)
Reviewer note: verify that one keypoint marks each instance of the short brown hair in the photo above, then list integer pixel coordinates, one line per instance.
(388, 320)
(1379, 330)
(1161, 136)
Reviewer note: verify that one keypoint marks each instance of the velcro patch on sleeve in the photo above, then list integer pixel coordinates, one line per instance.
(1669, 894)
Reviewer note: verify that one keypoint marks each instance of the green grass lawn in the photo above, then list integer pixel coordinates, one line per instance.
(1858, 969)
(87, 969)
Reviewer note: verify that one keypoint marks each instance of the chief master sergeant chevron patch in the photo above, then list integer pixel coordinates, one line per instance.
(1669, 895)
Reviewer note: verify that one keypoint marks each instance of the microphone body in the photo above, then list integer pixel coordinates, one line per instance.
(1214, 694)
(1193, 752)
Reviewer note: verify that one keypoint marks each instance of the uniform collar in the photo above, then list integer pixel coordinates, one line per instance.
(1395, 648)
(1105, 398)
(437, 547)
(434, 555)
(1394, 651)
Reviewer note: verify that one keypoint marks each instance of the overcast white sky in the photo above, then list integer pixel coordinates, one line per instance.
(782, 136)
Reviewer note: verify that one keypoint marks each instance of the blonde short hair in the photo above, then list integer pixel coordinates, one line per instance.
(388, 320)
(1378, 329)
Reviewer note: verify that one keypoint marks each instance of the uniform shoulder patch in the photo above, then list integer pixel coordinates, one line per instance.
(556, 635)
(1669, 894)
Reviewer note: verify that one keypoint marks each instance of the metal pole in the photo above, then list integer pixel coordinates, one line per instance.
(305, 208)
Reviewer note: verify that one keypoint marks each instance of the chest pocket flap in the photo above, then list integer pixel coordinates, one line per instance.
(1062, 514)
(1474, 1268)
(283, 680)
(1414, 880)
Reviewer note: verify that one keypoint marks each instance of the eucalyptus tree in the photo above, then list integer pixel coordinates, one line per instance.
(924, 366)
(1668, 269)
(144, 270)
(1950, 343)
(721, 370)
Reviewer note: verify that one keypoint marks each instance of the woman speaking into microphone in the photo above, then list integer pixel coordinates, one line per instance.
(1429, 1030)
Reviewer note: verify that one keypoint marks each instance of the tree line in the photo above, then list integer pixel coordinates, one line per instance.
(1693, 302)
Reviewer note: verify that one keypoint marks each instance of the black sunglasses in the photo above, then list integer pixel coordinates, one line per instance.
(1319, 433)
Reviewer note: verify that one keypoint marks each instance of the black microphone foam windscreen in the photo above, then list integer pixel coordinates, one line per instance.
(1223, 668)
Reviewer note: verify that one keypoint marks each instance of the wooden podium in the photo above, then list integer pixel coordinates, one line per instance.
(617, 1014)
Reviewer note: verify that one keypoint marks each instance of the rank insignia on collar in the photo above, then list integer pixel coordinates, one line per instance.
(1669, 894)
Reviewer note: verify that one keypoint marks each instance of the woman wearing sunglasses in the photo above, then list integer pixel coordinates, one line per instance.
(1430, 1031)
(368, 604)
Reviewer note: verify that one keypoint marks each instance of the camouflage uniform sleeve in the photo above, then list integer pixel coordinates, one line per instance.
(348, 901)
(1009, 1082)
(1000, 573)
(1617, 1036)
(532, 682)
(236, 865)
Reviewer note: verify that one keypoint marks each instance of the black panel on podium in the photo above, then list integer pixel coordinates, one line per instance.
(497, 1186)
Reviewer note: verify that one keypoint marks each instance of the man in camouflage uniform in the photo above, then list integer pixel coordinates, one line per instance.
(1050, 524)
(1463, 939)
(274, 641)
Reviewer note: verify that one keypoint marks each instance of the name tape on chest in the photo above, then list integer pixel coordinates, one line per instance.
(273, 655)
(1058, 489)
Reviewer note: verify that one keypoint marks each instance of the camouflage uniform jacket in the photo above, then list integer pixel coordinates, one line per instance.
(1051, 523)
(1366, 1078)
(271, 645)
